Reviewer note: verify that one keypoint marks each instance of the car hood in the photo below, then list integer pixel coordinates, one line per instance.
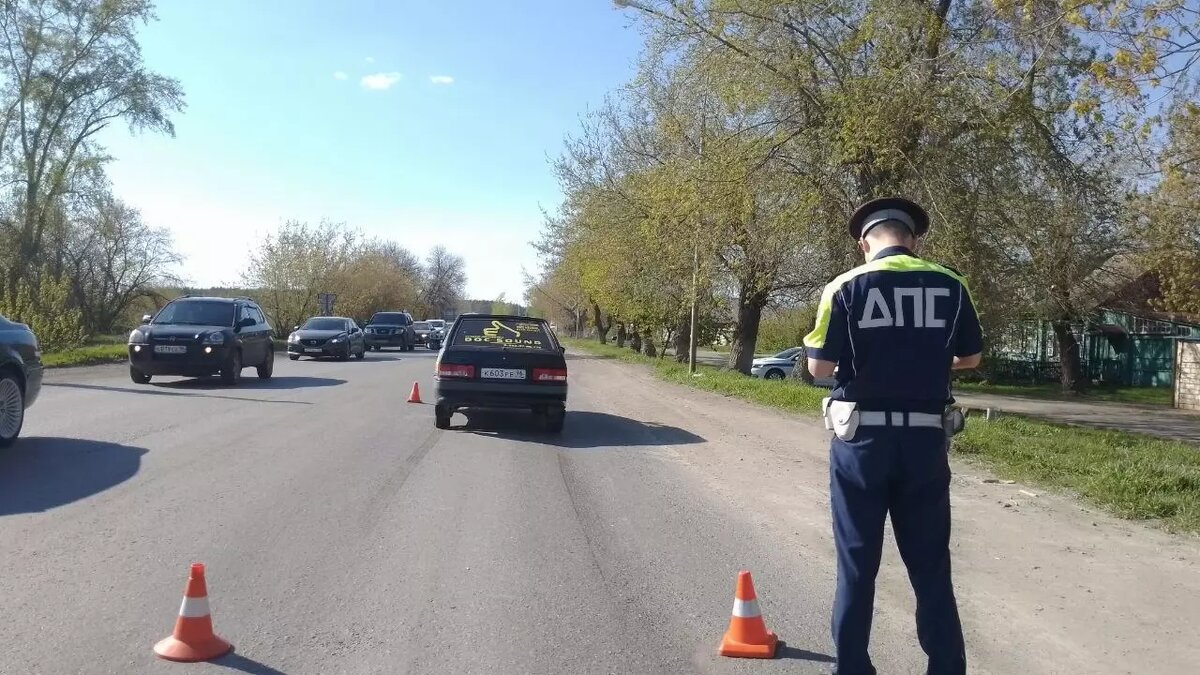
(168, 330)
(384, 325)
(313, 334)
(769, 361)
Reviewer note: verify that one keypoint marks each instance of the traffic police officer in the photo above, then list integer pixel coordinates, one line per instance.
(893, 329)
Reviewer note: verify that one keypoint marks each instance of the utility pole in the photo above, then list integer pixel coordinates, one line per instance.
(696, 254)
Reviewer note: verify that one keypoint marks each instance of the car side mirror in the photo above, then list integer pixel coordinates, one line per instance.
(295, 328)
(246, 323)
(147, 318)
(563, 349)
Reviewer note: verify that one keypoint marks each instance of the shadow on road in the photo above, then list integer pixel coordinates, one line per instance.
(583, 429)
(156, 390)
(243, 664)
(278, 383)
(785, 651)
(38, 474)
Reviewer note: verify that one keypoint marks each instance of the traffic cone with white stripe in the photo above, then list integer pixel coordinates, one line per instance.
(747, 636)
(193, 639)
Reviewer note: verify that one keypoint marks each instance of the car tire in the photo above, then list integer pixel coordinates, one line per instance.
(138, 376)
(555, 418)
(12, 409)
(231, 372)
(362, 354)
(441, 417)
(268, 367)
(344, 356)
(774, 374)
(294, 357)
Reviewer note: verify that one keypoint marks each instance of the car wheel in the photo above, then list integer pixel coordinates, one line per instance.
(344, 356)
(138, 376)
(12, 409)
(232, 372)
(362, 354)
(442, 416)
(774, 374)
(555, 418)
(268, 367)
(294, 357)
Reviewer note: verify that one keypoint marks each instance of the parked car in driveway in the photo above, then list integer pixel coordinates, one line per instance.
(334, 336)
(20, 377)
(781, 365)
(390, 329)
(201, 336)
(776, 367)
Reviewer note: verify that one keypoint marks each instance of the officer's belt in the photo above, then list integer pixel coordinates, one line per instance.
(876, 418)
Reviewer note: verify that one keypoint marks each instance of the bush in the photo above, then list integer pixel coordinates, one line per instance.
(47, 311)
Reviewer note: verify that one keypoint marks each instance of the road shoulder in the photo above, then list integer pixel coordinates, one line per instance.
(1068, 583)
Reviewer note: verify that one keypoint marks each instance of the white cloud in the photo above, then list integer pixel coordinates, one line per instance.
(369, 59)
(380, 80)
(441, 79)
(339, 75)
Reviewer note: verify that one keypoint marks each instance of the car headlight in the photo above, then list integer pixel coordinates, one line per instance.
(339, 337)
(293, 338)
(217, 338)
(137, 337)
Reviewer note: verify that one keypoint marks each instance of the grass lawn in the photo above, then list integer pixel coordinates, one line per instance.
(106, 349)
(1138, 395)
(1130, 475)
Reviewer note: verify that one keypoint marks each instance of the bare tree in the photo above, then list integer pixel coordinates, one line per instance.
(445, 281)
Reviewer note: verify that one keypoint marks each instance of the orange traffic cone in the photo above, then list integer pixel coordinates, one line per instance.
(193, 639)
(415, 395)
(747, 636)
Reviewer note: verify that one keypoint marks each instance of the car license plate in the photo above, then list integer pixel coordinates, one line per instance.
(502, 373)
(313, 350)
(170, 349)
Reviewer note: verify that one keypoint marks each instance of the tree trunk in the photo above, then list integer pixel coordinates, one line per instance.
(601, 327)
(1071, 378)
(800, 372)
(648, 344)
(745, 333)
(683, 339)
(635, 340)
(621, 334)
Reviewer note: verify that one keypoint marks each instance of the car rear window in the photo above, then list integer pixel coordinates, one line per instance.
(518, 333)
(420, 325)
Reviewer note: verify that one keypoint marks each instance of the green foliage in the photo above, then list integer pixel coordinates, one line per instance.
(785, 328)
(1130, 475)
(45, 306)
(86, 355)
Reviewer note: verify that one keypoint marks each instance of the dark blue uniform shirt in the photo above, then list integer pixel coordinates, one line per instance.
(893, 327)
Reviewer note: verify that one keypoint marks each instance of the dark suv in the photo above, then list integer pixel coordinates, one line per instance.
(20, 377)
(391, 329)
(198, 337)
(501, 361)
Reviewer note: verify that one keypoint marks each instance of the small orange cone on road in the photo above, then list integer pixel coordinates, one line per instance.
(415, 395)
(747, 636)
(193, 639)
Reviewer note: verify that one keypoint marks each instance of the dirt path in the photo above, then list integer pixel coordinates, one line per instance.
(1151, 420)
(1045, 585)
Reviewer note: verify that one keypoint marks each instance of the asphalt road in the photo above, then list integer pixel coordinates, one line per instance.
(343, 534)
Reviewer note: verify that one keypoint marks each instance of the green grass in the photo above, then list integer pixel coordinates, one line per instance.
(1130, 475)
(1138, 395)
(106, 352)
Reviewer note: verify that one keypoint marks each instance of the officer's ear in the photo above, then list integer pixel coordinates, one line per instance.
(862, 245)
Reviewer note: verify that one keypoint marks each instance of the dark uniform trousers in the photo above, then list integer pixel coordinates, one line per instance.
(904, 471)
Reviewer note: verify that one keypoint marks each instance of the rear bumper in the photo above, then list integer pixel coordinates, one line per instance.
(195, 363)
(474, 394)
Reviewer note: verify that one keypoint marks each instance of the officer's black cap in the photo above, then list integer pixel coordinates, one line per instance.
(889, 208)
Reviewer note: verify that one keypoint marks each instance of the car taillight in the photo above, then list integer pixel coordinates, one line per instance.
(449, 370)
(549, 375)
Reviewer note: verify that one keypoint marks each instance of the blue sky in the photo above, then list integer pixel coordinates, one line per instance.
(281, 125)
